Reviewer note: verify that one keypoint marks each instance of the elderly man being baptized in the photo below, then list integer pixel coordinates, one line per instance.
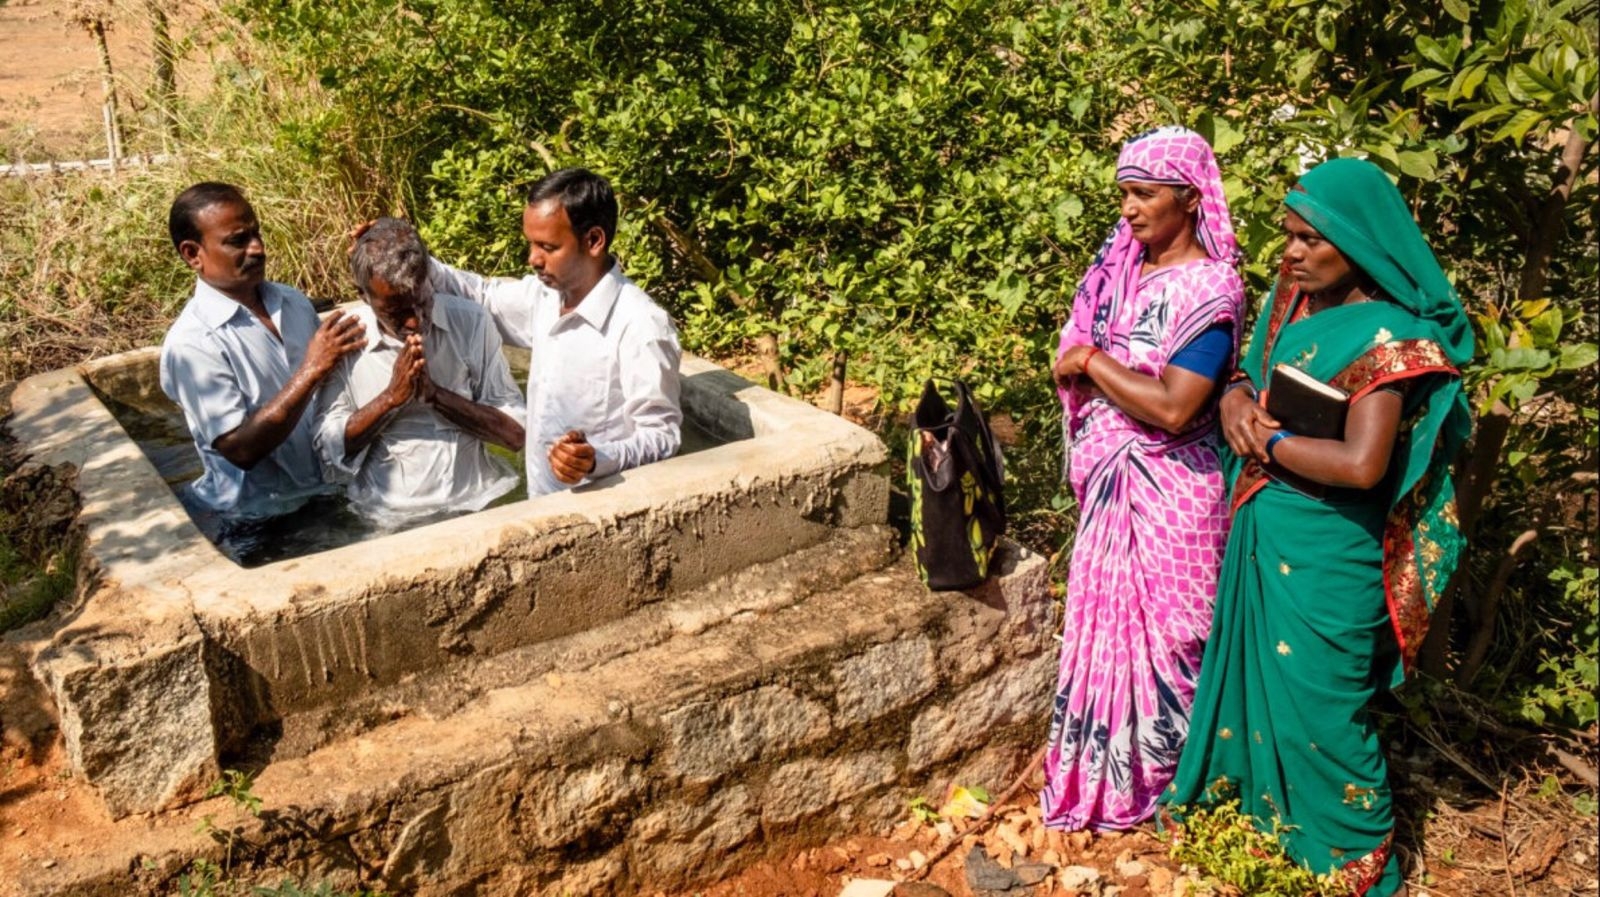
(406, 420)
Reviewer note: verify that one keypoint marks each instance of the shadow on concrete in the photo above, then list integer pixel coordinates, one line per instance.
(707, 398)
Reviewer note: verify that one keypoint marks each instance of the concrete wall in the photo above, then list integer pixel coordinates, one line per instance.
(657, 751)
(174, 657)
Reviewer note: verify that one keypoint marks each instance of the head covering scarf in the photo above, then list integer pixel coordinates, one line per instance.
(1353, 204)
(1169, 155)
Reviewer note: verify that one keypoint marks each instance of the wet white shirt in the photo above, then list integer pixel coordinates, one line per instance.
(220, 365)
(420, 462)
(608, 368)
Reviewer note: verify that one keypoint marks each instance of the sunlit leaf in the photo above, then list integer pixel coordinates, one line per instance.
(1578, 356)
(1519, 125)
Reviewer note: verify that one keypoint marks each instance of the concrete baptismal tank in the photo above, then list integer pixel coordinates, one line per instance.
(637, 682)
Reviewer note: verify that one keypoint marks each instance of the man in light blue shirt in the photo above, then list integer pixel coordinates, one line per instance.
(243, 361)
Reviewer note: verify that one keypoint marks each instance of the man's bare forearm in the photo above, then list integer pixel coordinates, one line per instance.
(486, 423)
(245, 445)
(368, 421)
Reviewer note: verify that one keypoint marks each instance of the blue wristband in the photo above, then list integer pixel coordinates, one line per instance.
(1273, 441)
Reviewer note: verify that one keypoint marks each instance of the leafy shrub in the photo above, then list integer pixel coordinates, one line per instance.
(1222, 842)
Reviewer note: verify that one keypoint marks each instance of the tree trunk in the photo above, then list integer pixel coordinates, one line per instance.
(1547, 226)
(767, 343)
(835, 402)
(1473, 486)
(1483, 636)
(1478, 474)
(165, 68)
(96, 26)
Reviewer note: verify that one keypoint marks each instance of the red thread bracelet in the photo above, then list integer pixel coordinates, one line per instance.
(1093, 351)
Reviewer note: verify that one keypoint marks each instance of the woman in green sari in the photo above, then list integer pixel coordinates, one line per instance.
(1339, 546)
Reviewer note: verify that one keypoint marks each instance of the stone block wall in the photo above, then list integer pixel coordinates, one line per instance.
(753, 735)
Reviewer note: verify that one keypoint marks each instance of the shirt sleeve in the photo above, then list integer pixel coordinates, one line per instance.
(1208, 353)
(509, 302)
(493, 384)
(649, 359)
(199, 377)
(335, 406)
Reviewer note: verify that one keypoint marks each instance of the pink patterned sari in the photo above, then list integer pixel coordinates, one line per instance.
(1153, 514)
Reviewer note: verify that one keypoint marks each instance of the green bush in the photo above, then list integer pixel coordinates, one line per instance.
(1224, 844)
(908, 187)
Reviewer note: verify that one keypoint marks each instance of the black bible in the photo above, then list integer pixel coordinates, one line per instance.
(1305, 406)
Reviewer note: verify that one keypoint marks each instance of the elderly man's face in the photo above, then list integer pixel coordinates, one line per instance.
(399, 311)
(230, 255)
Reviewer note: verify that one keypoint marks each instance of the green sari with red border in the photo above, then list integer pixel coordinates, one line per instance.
(1325, 600)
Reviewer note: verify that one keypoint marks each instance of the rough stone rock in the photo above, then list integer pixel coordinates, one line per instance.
(1129, 868)
(151, 742)
(420, 850)
(594, 877)
(563, 806)
(811, 785)
(709, 739)
(1082, 879)
(694, 837)
(1011, 695)
(984, 875)
(1032, 873)
(1020, 589)
(482, 822)
(883, 678)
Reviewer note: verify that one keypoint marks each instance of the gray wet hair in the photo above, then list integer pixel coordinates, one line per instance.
(393, 250)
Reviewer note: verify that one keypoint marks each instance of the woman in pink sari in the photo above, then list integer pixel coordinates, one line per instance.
(1154, 328)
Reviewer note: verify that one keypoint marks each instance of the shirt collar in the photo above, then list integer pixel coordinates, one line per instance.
(215, 309)
(595, 308)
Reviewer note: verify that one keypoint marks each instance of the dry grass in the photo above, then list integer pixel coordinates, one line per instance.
(86, 267)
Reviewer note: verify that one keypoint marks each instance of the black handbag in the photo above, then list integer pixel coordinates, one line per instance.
(956, 475)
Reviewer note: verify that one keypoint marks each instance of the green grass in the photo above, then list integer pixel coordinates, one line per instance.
(28, 590)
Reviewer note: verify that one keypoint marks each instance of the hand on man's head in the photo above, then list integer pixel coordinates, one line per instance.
(572, 458)
(356, 232)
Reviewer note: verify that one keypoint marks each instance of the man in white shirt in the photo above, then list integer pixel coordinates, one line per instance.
(406, 419)
(603, 372)
(243, 361)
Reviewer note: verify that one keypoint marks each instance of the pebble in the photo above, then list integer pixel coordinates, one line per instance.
(1129, 868)
(918, 859)
(1079, 878)
(1013, 839)
(867, 887)
(1032, 873)
(48, 864)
